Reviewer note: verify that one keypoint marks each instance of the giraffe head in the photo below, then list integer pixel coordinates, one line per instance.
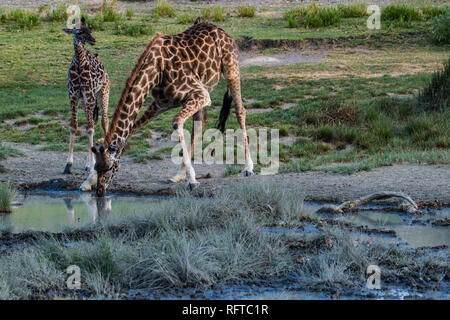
(107, 162)
(81, 34)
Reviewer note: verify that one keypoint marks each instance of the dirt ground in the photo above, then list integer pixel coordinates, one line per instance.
(43, 170)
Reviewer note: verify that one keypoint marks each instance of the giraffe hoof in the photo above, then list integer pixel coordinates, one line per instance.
(193, 186)
(67, 169)
(248, 173)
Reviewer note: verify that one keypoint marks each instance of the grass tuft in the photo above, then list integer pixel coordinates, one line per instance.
(246, 11)
(163, 9)
(219, 14)
(7, 193)
(436, 96)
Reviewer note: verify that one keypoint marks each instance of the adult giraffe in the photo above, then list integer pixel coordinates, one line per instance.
(179, 70)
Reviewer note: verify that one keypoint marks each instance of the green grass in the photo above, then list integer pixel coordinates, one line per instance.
(7, 193)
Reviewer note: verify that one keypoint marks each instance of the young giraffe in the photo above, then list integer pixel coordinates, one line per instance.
(88, 81)
(179, 70)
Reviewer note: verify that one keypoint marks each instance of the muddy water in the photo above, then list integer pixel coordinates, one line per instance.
(56, 211)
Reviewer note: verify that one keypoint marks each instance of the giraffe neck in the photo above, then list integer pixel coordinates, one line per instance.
(80, 54)
(144, 77)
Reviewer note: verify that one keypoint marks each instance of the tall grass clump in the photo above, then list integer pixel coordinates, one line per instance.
(163, 9)
(96, 23)
(133, 29)
(246, 11)
(206, 13)
(430, 11)
(58, 14)
(356, 10)
(219, 13)
(109, 12)
(440, 28)
(313, 16)
(185, 19)
(22, 19)
(436, 96)
(129, 13)
(400, 13)
(7, 193)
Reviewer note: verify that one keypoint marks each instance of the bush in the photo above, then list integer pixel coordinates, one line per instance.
(246, 11)
(206, 13)
(440, 29)
(356, 10)
(185, 19)
(219, 13)
(133, 29)
(401, 13)
(163, 9)
(437, 94)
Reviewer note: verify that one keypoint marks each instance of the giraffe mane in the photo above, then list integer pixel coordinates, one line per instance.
(128, 87)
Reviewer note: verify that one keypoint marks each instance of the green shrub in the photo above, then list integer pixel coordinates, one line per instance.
(401, 13)
(163, 9)
(437, 94)
(206, 13)
(129, 14)
(133, 29)
(246, 11)
(219, 13)
(356, 10)
(185, 19)
(7, 193)
(440, 29)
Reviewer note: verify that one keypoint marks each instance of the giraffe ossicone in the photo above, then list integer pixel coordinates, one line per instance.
(178, 70)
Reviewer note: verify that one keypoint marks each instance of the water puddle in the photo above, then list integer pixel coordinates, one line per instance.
(55, 211)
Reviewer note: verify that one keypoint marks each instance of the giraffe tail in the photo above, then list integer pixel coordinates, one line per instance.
(95, 112)
(225, 111)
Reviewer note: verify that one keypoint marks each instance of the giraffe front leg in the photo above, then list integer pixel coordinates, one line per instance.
(92, 178)
(199, 99)
(199, 119)
(73, 132)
